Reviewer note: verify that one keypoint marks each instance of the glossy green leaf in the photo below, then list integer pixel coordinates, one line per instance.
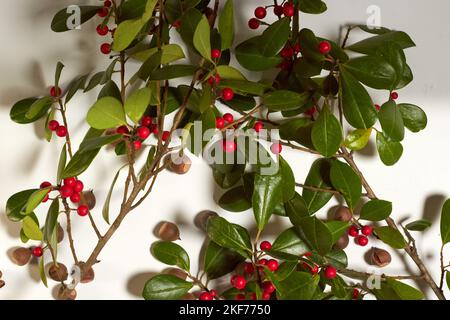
(371, 45)
(327, 133)
(189, 23)
(35, 200)
(296, 209)
(77, 84)
(220, 261)
(31, 229)
(376, 210)
(234, 200)
(312, 6)
(64, 20)
(315, 233)
(337, 229)
(249, 56)
(298, 130)
(319, 177)
(98, 142)
(393, 54)
(94, 81)
(392, 289)
(105, 211)
(282, 100)
(51, 221)
(173, 72)
(391, 121)
(16, 203)
(310, 45)
(137, 103)
(110, 89)
(391, 237)
(389, 151)
(40, 106)
(169, 53)
(20, 110)
(418, 225)
(358, 139)
(166, 287)
(243, 87)
(61, 163)
(228, 72)
(445, 222)
(298, 286)
(171, 254)
(274, 37)
(226, 25)
(202, 36)
(79, 163)
(374, 71)
(288, 180)
(288, 246)
(106, 113)
(414, 118)
(268, 191)
(347, 182)
(42, 274)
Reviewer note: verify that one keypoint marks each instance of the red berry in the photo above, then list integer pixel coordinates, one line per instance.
(260, 12)
(220, 123)
(265, 246)
(272, 265)
(206, 296)
(102, 30)
(143, 132)
(362, 241)
(55, 93)
(122, 130)
(47, 196)
(310, 112)
(213, 293)
(367, 230)
(378, 107)
(155, 130)
(253, 296)
(233, 279)
(228, 117)
(216, 53)
(268, 287)
(66, 191)
(165, 135)
(288, 10)
(258, 126)
(146, 121)
(394, 95)
(262, 262)
(253, 23)
(103, 12)
(330, 272)
(353, 231)
(70, 182)
(249, 268)
(75, 198)
(355, 294)
(324, 47)
(287, 52)
(107, 3)
(45, 184)
(297, 48)
(276, 148)
(214, 80)
(61, 131)
(105, 48)
(37, 252)
(239, 282)
(314, 269)
(240, 297)
(307, 254)
(78, 187)
(83, 210)
(53, 125)
(227, 94)
(266, 296)
(278, 10)
(176, 24)
(137, 145)
(229, 146)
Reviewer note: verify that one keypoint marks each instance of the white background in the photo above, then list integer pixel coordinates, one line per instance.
(417, 185)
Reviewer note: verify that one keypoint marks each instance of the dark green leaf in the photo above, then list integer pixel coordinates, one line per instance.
(391, 121)
(395, 290)
(189, 22)
(298, 286)
(98, 142)
(319, 177)
(220, 261)
(288, 246)
(371, 45)
(59, 67)
(274, 37)
(249, 56)
(445, 222)
(165, 287)
(288, 180)
(296, 209)
(42, 274)
(337, 229)
(79, 163)
(327, 133)
(202, 36)
(226, 25)
(21, 108)
(244, 87)
(234, 200)
(105, 211)
(298, 130)
(61, 163)
(267, 193)
(51, 221)
(282, 100)
(173, 72)
(373, 71)
(171, 253)
(391, 237)
(315, 233)
(414, 118)
(94, 81)
(74, 86)
(16, 203)
(39, 107)
(418, 225)
(347, 182)
(65, 18)
(390, 152)
(312, 6)
(110, 89)
(376, 210)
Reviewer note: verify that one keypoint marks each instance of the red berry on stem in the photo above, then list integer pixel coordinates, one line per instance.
(262, 262)
(53, 125)
(265, 246)
(233, 279)
(103, 12)
(143, 132)
(287, 52)
(278, 10)
(268, 287)
(220, 123)
(55, 92)
(288, 10)
(240, 297)
(378, 107)
(102, 30)
(137, 145)
(362, 241)
(266, 296)
(45, 184)
(70, 182)
(146, 121)
(206, 296)
(260, 12)
(330, 272)
(214, 80)
(367, 230)
(46, 198)
(353, 231)
(75, 198)
(253, 23)
(37, 252)
(78, 187)
(314, 269)
(165, 135)
(272, 265)
(61, 131)
(239, 282)
(176, 24)
(258, 126)
(355, 294)
(83, 210)
(122, 130)
(228, 117)
(227, 94)
(324, 47)
(105, 48)
(213, 293)
(276, 148)
(394, 95)
(307, 254)
(249, 268)
(229, 146)
(253, 296)
(155, 130)
(215, 53)
(66, 191)
(107, 3)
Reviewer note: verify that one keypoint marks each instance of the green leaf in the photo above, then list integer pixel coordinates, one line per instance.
(51, 221)
(106, 113)
(288, 180)
(110, 89)
(374, 71)
(288, 246)
(79, 163)
(243, 87)
(312, 6)
(358, 139)
(31, 229)
(61, 164)
(392, 289)
(226, 25)
(376, 210)
(42, 274)
(390, 152)
(171, 253)
(315, 233)
(337, 258)
(275, 37)
(229, 236)
(447, 279)
(391, 237)
(74, 86)
(310, 45)
(94, 81)
(189, 23)
(228, 72)
(148, 163)
(109, 72)
(319, 177)
(296, 209)
(35, 200)
(268, 191)
(64, 17)
(298, 130)
(347, 182)
(202, 37)
(234, 200)
(298, 286)
(137, 103)
(98, 142)
(391, 121)
(356, 102)
(40, 106)
(327, 133)
(105, 211)
(445, 222)
(173, 72)
(169, 53)
(20, 110)
(394, 55)
(166, 287)
(220, 261)
(418, 225)
(414, 118)
(282, 100)
(371, 45)
(16, 203)
(249, 56)
(337, 229)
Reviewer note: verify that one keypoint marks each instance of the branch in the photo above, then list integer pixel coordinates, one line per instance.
(317, 189)
(67, 210)
(363, 275)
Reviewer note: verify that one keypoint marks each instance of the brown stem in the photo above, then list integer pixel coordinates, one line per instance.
(69, 230)
(362, 275)
(441, 254)
(317, 189)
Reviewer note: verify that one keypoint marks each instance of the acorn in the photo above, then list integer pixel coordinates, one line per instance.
(178, 164)
(342, 243)
(60, 233)
(2, 284)
(176, 272)
(380, 257)
(86, 275)
(201, 219)
(168, 231)
(65, 293)
(21, 256)
(58, 272)
(343, 214)
(88, 199)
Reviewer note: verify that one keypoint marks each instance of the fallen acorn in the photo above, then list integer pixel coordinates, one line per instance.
(380, 257)
(60, 234)
(201, 219)
(2, 284)
(21, 256)
(65, 293)
(86, 275)
(88, 199)
(343, 213)
(342, 243)
(178, 164)
(58, 272)
(168, 231)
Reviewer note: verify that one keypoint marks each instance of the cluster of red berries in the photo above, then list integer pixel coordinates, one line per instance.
(103, 30)
(361, 239)
(53, 125)
(287, 9)
(329, 272)
(72, 189)
(393, 96)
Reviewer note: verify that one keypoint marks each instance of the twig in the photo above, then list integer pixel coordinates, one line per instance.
(362, 275)
(317, 189)
(69, 230)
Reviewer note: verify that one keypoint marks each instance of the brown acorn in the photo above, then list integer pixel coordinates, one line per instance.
(65, 293)
(86, 275)
(343, 214)
(2, 284)
(201, 219)
(380, 257)
(58, 272)
(168, 231)
(342, 243)
(178, 164)
(21, 256)
(176, 272)
(88, 199)
(60, 233)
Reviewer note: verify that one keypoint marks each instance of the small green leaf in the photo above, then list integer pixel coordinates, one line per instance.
(137, 103)
(414, 118)
(391, 121)
(371, 45)
(391, 237)
(106, 113)
(65, 17)
(31, 229)
(52, 220)
(202, 37)
(312, 6)
(298, 286)
(376, 210)
(165, 287)
(418, 225)
(315, 233)
(226, 25)
(42, 274)
(288, 246)
(20, 110)
(110, 89)
(390, 152)
(220, 261)
(77, 84)
(16, 203)
(274, 37)
(35, 200)
(98, 142)
(282, 100)
(327, 133)
(358, 139)
(268, 191)
(105, 211)
(395, 290)
(318, 177)
(173, 72)
(94, 81)
(38, 107)
(249, 56)
(171, 253)
(445, 222)
(374, 71)
(61, 164)
(347, 182)
(234, 200)
(79, 163)
(288, 180)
